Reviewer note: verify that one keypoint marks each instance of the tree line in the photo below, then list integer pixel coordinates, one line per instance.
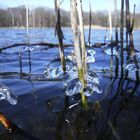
(45, 17)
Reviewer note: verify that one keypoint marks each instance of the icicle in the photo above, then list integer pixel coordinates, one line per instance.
(90, 56)
(6, 94)
(54, 69)
(74, 86)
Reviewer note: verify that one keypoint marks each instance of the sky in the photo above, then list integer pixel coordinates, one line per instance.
(96, 4)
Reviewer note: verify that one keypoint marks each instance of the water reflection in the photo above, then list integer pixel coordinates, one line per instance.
(18, 135)
(102, 120)
(108, 118)
(63, 118)
(12, 131)
(76, 123)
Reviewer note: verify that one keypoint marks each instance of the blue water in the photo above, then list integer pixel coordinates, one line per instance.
(11, 36)
(43, 110)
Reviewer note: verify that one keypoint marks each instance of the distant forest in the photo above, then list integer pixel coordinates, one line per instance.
(45, 17)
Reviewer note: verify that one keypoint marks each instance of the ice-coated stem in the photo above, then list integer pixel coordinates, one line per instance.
(81, 78)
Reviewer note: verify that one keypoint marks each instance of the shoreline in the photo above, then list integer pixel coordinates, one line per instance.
(95, 27)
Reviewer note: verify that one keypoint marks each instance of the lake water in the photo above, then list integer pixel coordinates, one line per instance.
(44, 112)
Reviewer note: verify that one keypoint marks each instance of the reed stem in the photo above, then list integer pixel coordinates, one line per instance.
(20, 63)
(27, 21)
(110, 22)
(81, 78)
(116, 38)
(132, 47)
(82, 38)
(90, 20)
(110, 36)
(30, 65)
(121, 36)
(60, 34)
(27, 34)
(127, 23)
(77, 49)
